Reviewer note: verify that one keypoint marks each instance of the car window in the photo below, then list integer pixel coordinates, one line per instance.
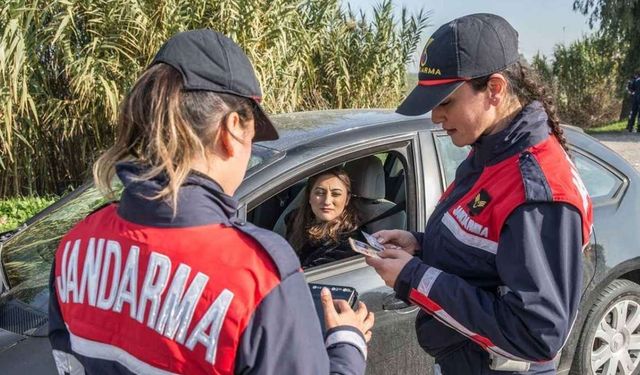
(27, 256)
(450, 157)
(375, 209)
(600, 182)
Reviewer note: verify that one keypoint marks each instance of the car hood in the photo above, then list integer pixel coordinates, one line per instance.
(24, 309)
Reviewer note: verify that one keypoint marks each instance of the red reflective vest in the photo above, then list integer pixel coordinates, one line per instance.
(170, 289)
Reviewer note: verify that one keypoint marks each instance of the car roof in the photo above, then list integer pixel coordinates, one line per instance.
(300, 127)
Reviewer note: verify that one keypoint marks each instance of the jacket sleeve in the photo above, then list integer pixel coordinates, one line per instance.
(284, 337)
(539, 260)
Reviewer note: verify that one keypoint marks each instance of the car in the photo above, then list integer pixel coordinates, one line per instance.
(411, 161)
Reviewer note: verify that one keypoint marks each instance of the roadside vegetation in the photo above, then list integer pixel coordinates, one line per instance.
(65, 66)
(580, 77)
(15, 211)
(589, 77)
(618, 126)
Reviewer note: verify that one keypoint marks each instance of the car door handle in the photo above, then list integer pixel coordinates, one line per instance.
(391, 303)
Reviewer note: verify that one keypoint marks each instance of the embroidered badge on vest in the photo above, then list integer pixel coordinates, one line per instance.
(477, 204)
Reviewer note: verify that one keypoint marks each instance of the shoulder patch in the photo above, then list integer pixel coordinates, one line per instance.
(535, 183)
(479, 202)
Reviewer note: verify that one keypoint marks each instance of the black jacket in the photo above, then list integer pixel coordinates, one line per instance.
(327, 250)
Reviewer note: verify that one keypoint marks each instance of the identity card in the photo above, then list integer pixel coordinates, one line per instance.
(372, 241)
(364, 248)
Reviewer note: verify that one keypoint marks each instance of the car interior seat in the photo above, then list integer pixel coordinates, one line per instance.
(368, 187)
(368, 190)
(280, 227)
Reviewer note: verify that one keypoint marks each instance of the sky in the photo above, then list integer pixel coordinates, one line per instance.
(541, 24)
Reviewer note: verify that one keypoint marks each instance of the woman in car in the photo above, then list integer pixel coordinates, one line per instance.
(497, 271)
(319, 230)
(169, 280)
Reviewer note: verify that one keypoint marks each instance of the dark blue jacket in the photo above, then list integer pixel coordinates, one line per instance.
(280, 334)
(633, 86)
(516, 295)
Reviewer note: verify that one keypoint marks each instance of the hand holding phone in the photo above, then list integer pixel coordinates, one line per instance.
(339, 313)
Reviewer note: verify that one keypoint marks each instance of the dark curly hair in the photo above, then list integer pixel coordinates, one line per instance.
(526, 86)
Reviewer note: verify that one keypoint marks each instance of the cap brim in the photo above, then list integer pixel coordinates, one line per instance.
(424, 98)
(265, 131)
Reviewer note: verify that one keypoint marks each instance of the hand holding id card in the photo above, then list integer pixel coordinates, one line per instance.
(371, 249)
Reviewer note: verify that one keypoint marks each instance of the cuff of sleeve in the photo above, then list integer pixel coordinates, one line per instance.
(409, 277)
(348, 335)
(418, 236)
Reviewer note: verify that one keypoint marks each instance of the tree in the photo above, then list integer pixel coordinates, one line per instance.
(65, 65)
(582, 78)
(619, 22)
(587, 76)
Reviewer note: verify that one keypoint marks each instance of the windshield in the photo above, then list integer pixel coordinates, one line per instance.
(27, 256)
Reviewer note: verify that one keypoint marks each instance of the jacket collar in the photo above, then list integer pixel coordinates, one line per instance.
(528, 128)
(201, 200)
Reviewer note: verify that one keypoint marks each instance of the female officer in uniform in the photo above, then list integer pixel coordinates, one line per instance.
(497, 272)
(168, 280)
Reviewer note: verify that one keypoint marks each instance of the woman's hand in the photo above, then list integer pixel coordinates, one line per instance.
(339, 313)
(391, 262)
(398, 239)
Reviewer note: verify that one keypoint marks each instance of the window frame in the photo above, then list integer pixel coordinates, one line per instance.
(406, 145)
(615, 196)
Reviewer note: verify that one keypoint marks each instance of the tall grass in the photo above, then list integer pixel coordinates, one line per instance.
(66, 64)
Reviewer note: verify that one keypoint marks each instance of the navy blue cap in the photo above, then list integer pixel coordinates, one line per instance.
(468, 47)
(208, 60)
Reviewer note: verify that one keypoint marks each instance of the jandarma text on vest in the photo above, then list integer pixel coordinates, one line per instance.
(89, 284)
(469, 224)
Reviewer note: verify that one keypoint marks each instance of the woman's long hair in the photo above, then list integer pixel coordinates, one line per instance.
(305, 228)
(526, 86)
(164, 128)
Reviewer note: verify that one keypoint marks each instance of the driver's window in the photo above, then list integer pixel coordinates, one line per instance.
(320, 212)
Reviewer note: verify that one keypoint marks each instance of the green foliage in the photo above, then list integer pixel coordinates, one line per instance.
(618, 126)
(618, 23)
(66, 64)
(543, 67)
(15, 211)
(617, 18)
(583, 78)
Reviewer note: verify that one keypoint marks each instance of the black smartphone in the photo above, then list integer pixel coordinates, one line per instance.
(346, 293)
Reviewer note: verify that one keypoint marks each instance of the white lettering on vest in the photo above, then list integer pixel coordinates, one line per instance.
(469, 224)
(109, 285)
(128, 290)
(91, 271)
(179, 307)
(72, 272)
(61, 281)
(113, 255)
(158, 270)
(211, 321)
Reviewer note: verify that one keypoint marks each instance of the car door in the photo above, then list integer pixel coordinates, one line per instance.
(394, 346)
